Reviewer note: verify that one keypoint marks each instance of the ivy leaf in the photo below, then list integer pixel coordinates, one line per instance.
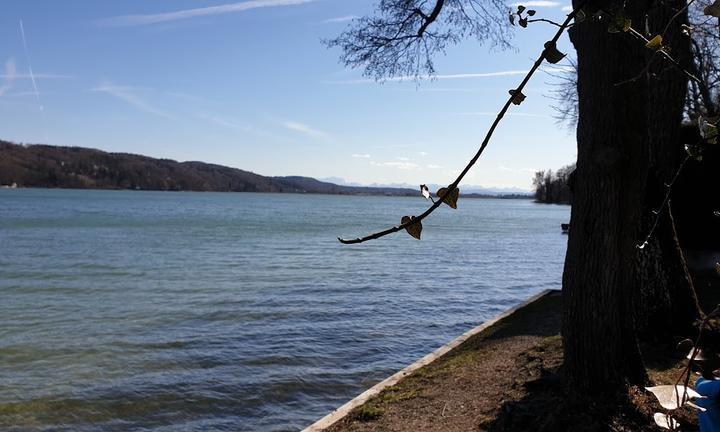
(669, 395)
(665, 421)
(414, 229)
(518, 97)
(451, 198)
(694, 151)
(711, 134)
(425, 191)
(552, 54)
(619, 23)
(713, 9)
(521, 8)
(580, 16)
(523, 22)
(708, 131)
(655, 43)
(531, 12)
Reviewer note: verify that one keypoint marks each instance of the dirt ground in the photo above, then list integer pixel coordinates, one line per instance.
(510, 379)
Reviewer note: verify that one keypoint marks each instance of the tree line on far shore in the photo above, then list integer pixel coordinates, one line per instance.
(554, 187)
(45, 166)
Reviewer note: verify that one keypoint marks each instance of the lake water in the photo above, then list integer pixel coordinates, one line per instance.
(161, 311)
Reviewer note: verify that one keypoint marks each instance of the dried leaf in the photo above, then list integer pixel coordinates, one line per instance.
(518, 97)
(697, 407)
(713, 9)
(669, 395)
(414, 229)
(552, 54)
(512, 19)
(531, 12)
(523, 22)
(520, 9)
(717, 268)
(451, 198)
(655, 43)
(425, 191)
(665, 421)
(696, 354)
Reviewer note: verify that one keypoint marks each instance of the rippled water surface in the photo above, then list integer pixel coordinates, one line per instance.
(156, 311)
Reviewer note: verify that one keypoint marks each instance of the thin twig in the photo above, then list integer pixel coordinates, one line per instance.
(501, 114)
(665, 55)
(696, 349)
(640, 75)
(658, 212)
(667, 26)
(549, 22)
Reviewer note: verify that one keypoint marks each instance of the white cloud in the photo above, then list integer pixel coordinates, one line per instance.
(339, 19)
(423, 154)
(23, 93)
(433, 166)
(558, 68)
(439, 77)
(32, 76)
(536, 3)
(361, 156)
(126, 94)
(137, 20)
(517, 170)
(188, 97)
(224, 122)
(406, 166)
(10, 74)
(404, 159)
(305, 129)
(35, 75)
(441, 89)
(567, 8)
(493, 114)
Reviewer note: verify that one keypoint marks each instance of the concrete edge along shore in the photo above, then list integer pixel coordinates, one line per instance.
(358, 401)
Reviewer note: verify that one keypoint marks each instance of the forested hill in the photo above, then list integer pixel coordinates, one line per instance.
(47, 166)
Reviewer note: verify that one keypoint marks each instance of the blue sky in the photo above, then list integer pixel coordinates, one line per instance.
(248, 84)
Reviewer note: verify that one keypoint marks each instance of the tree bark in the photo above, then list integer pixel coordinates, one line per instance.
(667, 305)
(600, 280)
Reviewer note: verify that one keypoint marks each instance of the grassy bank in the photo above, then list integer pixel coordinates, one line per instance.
(509, 378)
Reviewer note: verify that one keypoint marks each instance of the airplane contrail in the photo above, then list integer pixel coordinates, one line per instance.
(32, 76)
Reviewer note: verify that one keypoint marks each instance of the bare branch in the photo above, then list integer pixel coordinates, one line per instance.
(485, 142)
(565, 94)
(403, 36)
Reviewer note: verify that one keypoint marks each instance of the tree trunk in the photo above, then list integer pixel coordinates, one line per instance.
(599, 281)
(666, 305)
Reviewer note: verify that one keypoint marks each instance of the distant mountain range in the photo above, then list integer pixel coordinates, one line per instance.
(466, 189)
(45, 166)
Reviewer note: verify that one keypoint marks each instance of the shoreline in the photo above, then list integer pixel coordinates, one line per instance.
(519, 197)
(477, 334)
